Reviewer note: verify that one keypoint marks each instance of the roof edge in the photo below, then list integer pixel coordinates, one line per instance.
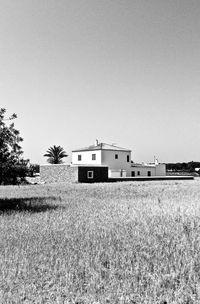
(100, 149)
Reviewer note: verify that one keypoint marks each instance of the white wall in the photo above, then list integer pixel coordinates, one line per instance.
(108, 159)
(161, 170)
(156, 170)
(143, 170)
(86, 158)
(117, 173)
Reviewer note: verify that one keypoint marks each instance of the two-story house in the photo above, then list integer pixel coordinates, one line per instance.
(117, 159)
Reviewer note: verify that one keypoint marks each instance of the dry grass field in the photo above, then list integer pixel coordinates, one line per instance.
(120, 243)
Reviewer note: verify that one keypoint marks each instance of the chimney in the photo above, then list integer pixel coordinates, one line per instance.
(156, 162)
(96, 143)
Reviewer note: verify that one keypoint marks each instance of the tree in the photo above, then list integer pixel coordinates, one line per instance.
(34, 169)
(55, 155)
(12, 166)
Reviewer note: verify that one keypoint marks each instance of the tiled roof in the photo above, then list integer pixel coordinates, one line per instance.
(102, 146)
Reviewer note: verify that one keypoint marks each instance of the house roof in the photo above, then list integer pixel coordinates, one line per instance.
(102, 146)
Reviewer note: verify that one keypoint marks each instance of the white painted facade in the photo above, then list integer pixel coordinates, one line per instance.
(118, 161)
(117, 173)
(87, 158)
(148, 170)
(160, 169)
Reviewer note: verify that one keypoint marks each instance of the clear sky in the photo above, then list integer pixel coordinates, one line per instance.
(124, 72)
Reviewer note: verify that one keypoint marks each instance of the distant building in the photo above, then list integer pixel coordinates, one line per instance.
(117, 159)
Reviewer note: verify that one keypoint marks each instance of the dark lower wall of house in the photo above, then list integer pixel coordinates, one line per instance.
(100, 174)
(58, 174)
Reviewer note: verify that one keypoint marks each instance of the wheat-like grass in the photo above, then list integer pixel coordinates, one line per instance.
(104, 243)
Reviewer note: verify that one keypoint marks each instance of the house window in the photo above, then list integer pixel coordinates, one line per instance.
(138, 173)
(79, 157)
(90, 174)
(133, 173)
(93, 156)
(149, 173)
(128, 159)
(116, 156)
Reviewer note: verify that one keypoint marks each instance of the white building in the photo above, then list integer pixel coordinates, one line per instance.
(117, 159)
(148, 169)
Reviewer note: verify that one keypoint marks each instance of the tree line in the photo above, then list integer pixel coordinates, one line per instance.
(184, 167)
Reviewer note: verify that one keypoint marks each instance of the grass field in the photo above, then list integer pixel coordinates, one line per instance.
(120, 243)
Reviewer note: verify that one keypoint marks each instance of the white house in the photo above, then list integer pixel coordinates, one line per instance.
(117, 159)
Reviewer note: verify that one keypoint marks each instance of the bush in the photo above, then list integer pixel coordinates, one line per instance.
(33, 170)
(13, 174)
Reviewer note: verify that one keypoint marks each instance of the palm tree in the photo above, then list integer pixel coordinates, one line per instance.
(55, 155)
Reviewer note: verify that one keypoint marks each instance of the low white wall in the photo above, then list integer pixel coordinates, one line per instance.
(117, 173)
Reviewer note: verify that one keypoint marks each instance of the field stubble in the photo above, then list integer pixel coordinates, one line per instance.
(101, 243)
